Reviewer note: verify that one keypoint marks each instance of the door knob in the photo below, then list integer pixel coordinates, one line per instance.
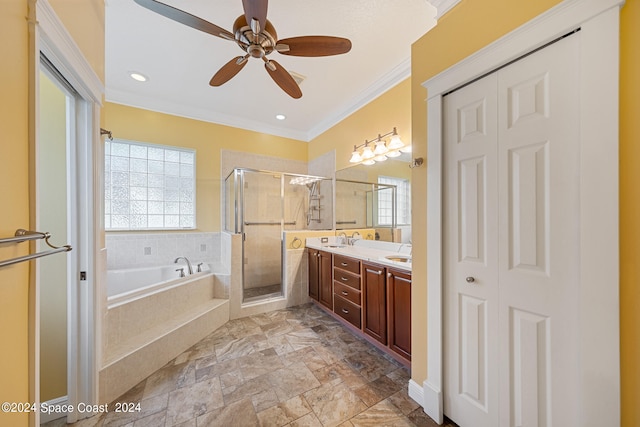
(470, 279)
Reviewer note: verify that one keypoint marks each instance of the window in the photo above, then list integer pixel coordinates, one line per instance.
(148, 186)
(403, 201)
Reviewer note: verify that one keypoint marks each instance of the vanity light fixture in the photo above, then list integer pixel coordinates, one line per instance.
(382, 150)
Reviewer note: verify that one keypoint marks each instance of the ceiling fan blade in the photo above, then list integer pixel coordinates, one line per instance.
(255, 10)
(283, 79)
(228, 70)
(313, 46)
(185, 18)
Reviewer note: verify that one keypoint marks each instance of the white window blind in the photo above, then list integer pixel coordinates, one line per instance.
(148, 186)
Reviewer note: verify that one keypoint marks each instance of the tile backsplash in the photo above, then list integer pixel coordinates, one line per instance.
(126, 250)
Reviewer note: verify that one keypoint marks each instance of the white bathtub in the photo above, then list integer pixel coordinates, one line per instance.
(152, 316)
(131, 283)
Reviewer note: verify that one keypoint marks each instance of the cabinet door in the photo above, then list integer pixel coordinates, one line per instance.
(325, 279)
(374, 304)
(399, 311)
(314, 277)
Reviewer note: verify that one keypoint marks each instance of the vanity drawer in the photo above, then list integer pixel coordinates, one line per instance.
(346, 292)
(346, 263)
(345, 278)
(347, 310)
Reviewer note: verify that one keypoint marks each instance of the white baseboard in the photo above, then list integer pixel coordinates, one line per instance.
(416, 392)
(60, 401)
(433, 402)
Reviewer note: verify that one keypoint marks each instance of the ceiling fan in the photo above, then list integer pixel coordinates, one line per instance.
(257, 37)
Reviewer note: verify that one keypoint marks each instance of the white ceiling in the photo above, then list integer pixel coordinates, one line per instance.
(179, 61)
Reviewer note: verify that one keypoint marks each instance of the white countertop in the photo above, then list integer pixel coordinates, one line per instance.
(366, 250)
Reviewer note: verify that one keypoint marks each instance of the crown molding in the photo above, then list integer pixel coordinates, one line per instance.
(399, 73)
(201, 114)
(443, 6)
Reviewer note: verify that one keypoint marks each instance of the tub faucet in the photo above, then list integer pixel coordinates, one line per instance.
(189, 267)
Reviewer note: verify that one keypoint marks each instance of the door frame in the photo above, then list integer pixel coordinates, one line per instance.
(49, 36)
(599, 338)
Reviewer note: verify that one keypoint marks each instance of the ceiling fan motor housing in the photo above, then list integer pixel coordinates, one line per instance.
(257, 45)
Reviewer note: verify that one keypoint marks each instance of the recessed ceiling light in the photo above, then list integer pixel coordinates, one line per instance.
(138, 76)
(280, 116)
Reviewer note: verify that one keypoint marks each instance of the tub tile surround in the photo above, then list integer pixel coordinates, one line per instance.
(295, 367)
(133, 250)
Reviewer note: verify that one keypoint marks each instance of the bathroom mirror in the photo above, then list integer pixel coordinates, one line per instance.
(364, 199)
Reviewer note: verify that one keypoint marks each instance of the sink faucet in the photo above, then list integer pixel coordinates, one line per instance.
(402, 245)
(343, 235)
(189, 267)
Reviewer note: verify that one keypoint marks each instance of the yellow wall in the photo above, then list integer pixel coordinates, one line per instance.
(391, 109)
(630, 212)
(207, 139)
(88, 30)
(14, 190)
(468, 27)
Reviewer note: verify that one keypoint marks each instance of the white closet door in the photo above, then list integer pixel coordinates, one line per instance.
(511, 243)
(538, 119)
(471, 256)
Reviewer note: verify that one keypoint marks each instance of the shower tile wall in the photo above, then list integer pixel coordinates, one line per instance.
(126, 250)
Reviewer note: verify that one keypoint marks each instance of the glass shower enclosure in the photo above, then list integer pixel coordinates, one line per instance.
(261, 205)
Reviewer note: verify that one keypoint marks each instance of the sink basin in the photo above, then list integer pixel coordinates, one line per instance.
(335, 246)
(399, 258)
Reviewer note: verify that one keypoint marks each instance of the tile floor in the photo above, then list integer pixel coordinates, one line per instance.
(292, 367)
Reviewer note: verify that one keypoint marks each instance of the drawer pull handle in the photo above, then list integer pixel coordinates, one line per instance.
(379, 272)
(345, 311)
(344, 279)
(345, 293)
(344, 264)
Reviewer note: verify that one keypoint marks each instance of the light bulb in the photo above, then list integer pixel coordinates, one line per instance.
(395, 143)
(381, 148)
(355, 157)
(367, 153)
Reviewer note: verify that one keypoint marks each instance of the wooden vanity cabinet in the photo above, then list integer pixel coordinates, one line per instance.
(314, 273)
(399, 311)
(374, 304)
(373, 298)
(320, 277)
(346, 289)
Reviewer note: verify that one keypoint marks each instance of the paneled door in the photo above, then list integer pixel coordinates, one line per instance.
(511, 255)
